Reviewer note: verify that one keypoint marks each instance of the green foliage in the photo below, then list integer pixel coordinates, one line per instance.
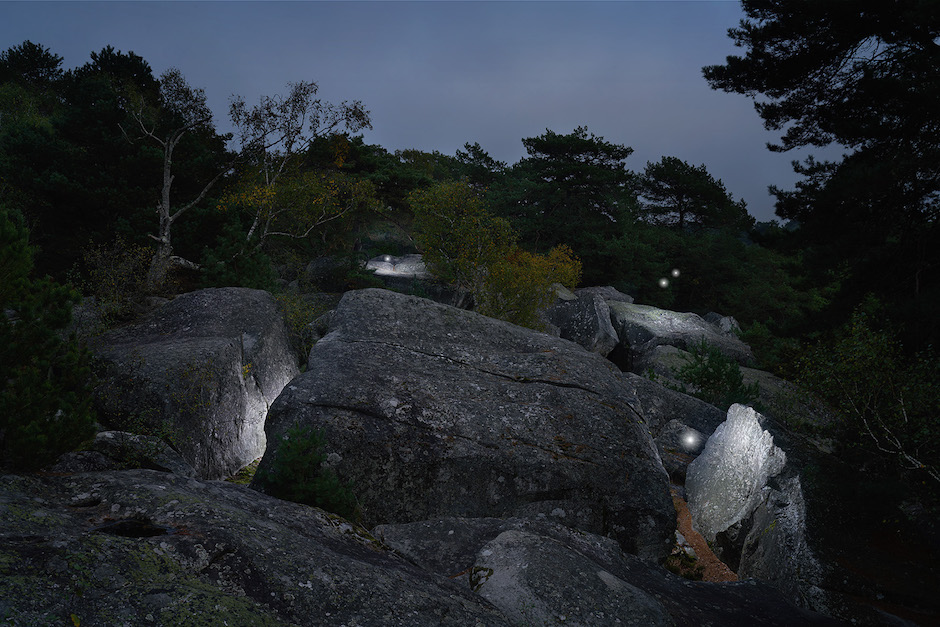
(677, 193)
(466, 245)
(571, 189)
(517, 286)
(44, 379)
(298, 474)
(715, 378)
(888, 401)
(861, 77)
(228, 264)
(116, 275)
(457, 234)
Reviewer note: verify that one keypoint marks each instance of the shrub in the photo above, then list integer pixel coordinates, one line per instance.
(45, 393)
(464, 244)
(116, 275)
(517, 287)
(298, 474)
(888, 402)
(715, 378)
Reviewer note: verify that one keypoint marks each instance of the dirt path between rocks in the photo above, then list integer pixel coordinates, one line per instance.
(715, 569)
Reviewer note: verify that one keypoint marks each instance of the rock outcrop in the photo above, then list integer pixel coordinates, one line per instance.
(641, 328)
(586, 321)
(143, 547)
(202, 369)
(539, 572)
(435, 411)
(724, 483)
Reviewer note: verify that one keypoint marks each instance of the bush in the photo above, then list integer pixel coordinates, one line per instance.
(715, 378)
(888, 401)
(298, 474)
(464, 244)
(458, 237)
(517, 287)
(45, 393)
(116, 275)
(235, 263)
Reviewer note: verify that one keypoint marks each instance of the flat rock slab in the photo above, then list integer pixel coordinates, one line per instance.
(435, 411)
(539, 572)
(148, 548)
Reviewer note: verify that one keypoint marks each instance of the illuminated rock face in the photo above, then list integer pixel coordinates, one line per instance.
(208, 364)
(724, 483)
(641, 328)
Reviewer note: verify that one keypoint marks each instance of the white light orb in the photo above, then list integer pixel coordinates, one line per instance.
(690, 440)
(664, 282)
(387, 258)
(675, 273)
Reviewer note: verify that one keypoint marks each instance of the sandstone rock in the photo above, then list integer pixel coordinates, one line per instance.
(406, 266)
(606, 292)
(725, 324)
(435, 411)
(204, 367)
(535, 579)
(586, 321)
(641, 328)
(724, 483)
(147, 548)
(595, 583)
(660, 405)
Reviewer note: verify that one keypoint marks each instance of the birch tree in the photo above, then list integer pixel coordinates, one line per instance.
(281, 198)
(182, 110)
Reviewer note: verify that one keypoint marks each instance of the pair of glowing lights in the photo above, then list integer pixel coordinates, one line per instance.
(664, 282)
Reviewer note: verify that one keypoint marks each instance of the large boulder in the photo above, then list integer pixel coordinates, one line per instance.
(539, 572)
(201, 370)
(641, 328)
(143, 547)
(436, 411)
(584, 320)
(724, 484)
(826, 534)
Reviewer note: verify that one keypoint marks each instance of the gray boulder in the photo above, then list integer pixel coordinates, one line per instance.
(435, 411)
(118, 450)
(535, 579)
(540, 572)
(406, 266)
(142, 548)
(660, 405)
(724, 484)
(586, 321)
(641, 328)
(606, 292)
(203, 370)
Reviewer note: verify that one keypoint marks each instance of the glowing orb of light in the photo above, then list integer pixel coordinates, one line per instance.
(664, 282)
(690, 439)
(675, 273)
(387, 258)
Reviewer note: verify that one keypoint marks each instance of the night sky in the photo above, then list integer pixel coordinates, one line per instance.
(436, 75)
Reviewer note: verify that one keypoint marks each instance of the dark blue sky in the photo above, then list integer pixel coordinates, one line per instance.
(438, 74)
